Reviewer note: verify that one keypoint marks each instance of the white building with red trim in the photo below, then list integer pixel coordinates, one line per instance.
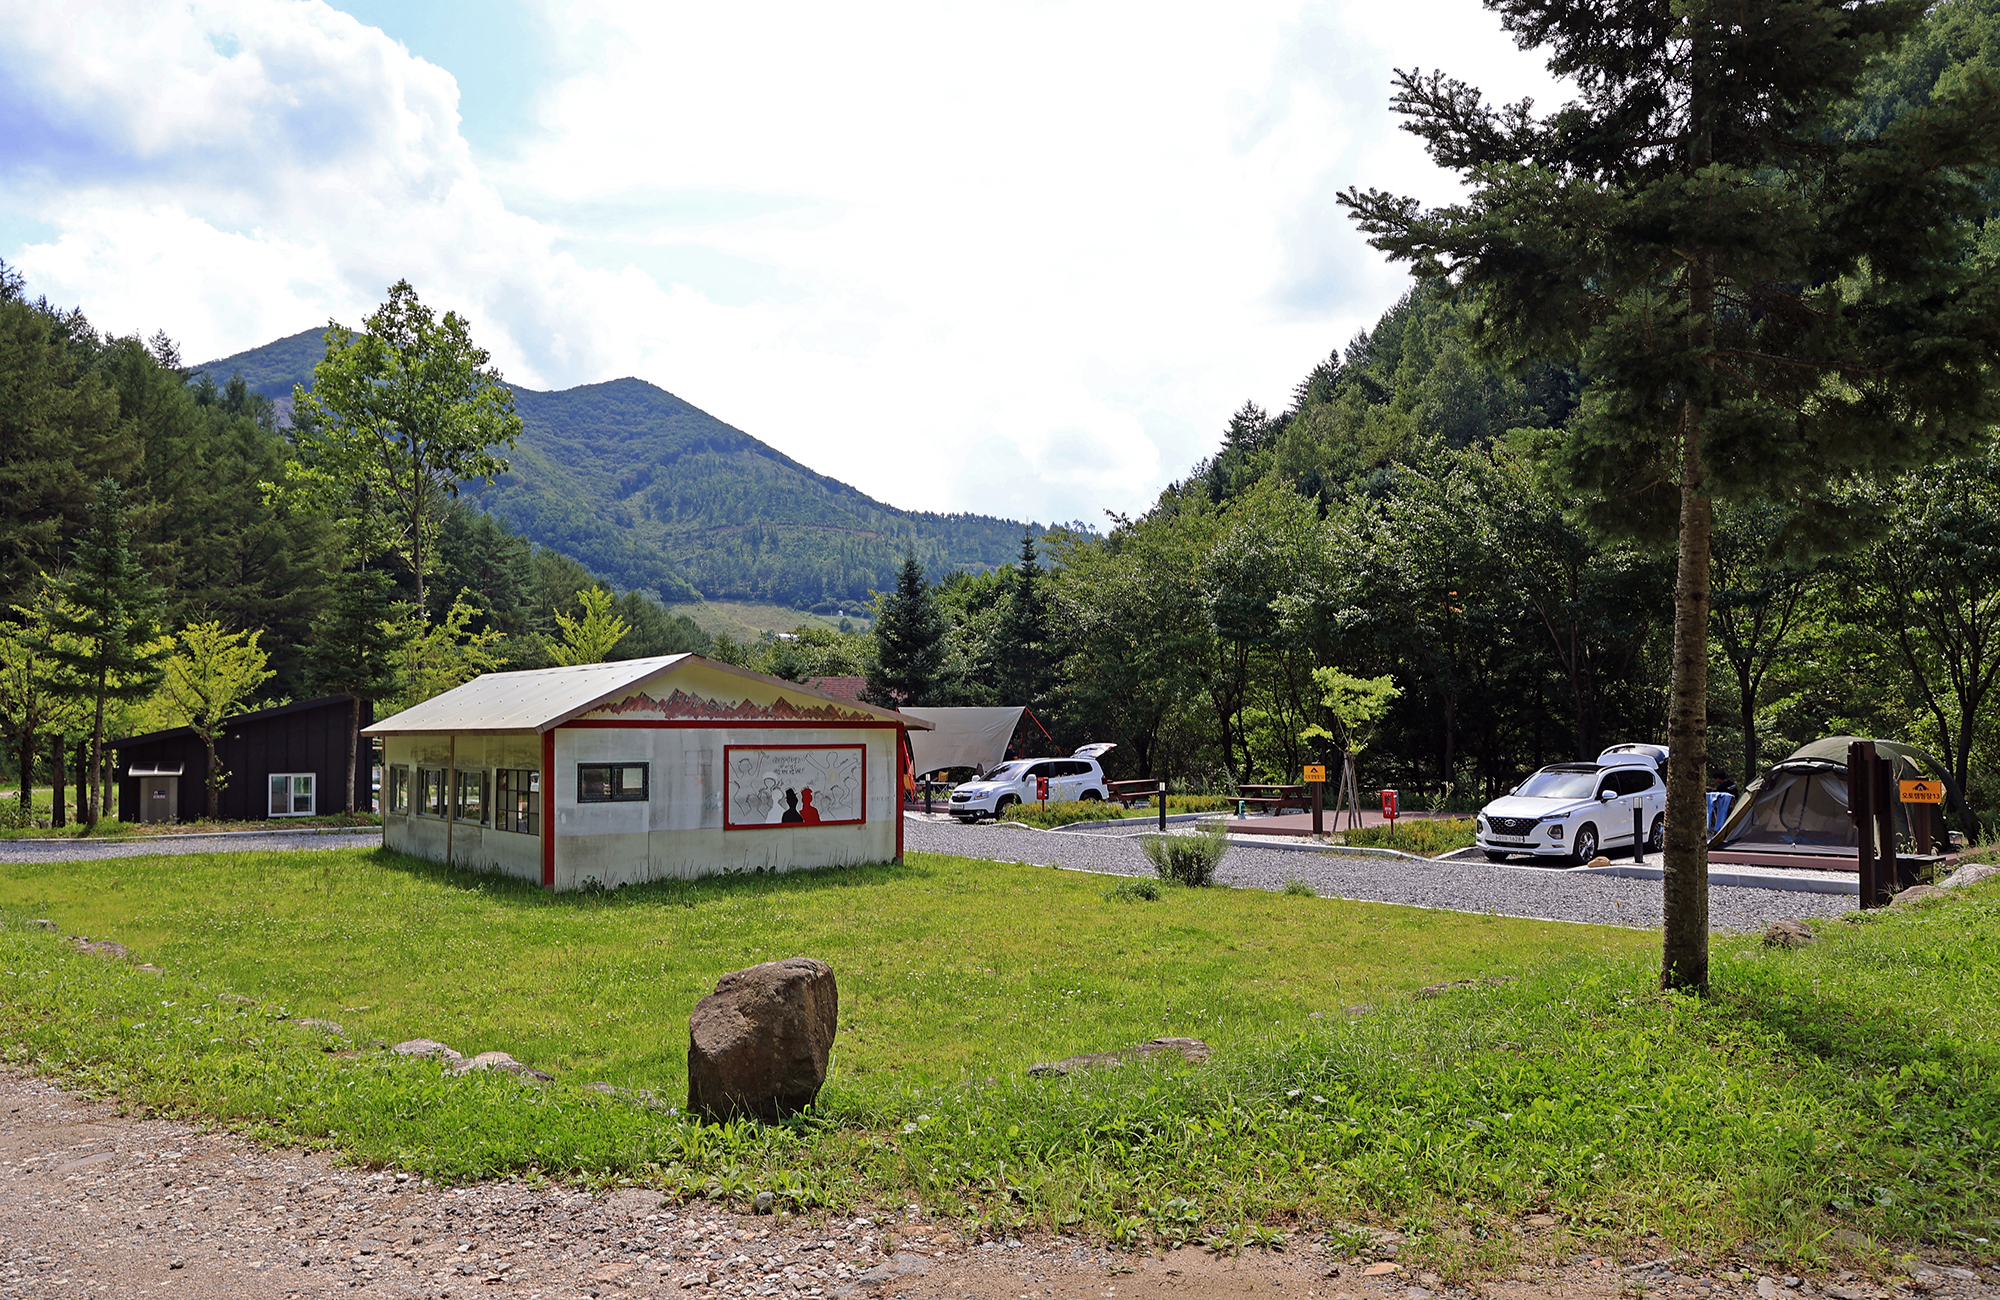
(645, 769)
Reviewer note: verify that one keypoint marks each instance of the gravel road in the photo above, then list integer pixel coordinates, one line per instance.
(94, 1203)
(167, 845)
(1542, 893)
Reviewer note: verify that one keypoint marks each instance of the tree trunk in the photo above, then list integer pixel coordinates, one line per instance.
(28, 778)
(93, 804)
(58, 813)
(1684, 954)
(1747, 697)
(212, 779)
(353, 743)
(82, 775)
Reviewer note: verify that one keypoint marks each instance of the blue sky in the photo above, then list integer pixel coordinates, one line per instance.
(1021, 258)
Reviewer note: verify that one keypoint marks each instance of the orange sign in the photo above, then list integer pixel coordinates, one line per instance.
(1316, 772)
(1923, 791)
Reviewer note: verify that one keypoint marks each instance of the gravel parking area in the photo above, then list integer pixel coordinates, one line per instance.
(169, 845)
(1541, 893)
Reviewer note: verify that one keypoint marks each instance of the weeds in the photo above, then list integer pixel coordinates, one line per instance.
(1425, 836)
(1188, 859)
(1133, 891)
(1297, 888)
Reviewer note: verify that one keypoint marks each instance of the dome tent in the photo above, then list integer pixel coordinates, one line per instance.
(1801, 804)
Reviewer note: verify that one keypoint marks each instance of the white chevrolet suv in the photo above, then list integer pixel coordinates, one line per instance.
(1075, 777)
(1573, 811)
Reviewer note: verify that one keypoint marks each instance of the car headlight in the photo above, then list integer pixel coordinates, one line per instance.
(1556, 831)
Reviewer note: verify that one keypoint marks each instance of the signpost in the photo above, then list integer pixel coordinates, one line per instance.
(1389, 809)
(1163, 807)
(1316, 778)
(1926, 794)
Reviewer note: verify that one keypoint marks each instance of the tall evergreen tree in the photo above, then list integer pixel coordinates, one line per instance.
(909, 641)
(1763, 305)
(1020, 646)
(104, 627)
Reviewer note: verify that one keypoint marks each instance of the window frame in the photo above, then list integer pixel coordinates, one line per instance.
(292, 793)
(424, 805)
(615, 783)
(478, 783)
(517, 802)
(399, 790)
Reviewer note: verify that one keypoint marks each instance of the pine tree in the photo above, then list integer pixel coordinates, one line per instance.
(909, 641)
(352, 652)
(104, 627)
(1764, 305)
(1020, 645)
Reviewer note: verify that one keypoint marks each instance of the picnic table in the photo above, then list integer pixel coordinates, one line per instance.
(1127, 793)
(1277, 797)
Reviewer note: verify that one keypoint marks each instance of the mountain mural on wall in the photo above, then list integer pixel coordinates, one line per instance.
(652, 493)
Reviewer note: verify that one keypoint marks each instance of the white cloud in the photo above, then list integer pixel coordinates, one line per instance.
(1018, 259)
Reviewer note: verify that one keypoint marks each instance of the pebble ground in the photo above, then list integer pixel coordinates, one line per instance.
(95, 1203)
(1457, 885)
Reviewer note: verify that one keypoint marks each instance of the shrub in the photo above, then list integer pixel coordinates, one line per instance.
(1189, 859)
(1133, 891)
(1063, 812)
(1424, 836)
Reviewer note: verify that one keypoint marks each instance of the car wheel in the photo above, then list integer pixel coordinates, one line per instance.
(1495, 855)
(1000, 808)
(1584, 847)
(1090, 796)
(1656, 839)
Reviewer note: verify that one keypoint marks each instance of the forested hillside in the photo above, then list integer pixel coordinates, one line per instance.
(658, 495)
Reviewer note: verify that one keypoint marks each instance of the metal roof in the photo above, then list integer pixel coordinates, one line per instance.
(541, 699)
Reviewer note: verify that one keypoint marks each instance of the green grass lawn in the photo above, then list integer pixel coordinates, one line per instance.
(948, 968)
(1854, 1084)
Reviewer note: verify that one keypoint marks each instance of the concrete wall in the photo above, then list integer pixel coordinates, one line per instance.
(676, 834)
(476, 847)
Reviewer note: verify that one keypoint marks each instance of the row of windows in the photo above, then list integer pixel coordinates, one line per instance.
(509, 799)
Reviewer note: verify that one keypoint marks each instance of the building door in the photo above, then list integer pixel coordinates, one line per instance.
(159, 798)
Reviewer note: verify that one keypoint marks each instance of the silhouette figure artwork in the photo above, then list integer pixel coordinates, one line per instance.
(794, 785)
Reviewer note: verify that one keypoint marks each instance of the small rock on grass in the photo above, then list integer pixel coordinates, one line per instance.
(502, 1062)
(1916, 894)
(104, 948)
(324, 1026)
(1188, 1049)
(428, 1047)
(1969, 874)
(43, 923)
(1789, 934)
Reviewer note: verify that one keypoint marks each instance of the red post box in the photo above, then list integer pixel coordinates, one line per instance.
(1389, 806)
(1042, 788)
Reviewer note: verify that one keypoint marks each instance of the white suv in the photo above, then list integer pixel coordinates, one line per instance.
(1573, 810)
(1075, 777)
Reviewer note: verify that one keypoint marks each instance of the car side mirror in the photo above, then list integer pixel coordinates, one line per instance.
(1606, 796)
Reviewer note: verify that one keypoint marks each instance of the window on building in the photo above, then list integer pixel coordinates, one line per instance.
(291, 794)
(399, 790)
(469, 801)
(611, 782)
(517, 801)
(430, 791)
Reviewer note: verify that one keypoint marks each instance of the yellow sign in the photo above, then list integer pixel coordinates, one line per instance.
(1316, 772)
(1923, 791)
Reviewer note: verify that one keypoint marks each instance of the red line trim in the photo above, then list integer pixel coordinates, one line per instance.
(549, 809)
(729, 825)
(720, 724)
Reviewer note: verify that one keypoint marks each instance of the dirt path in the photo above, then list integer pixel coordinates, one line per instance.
(96, 1204)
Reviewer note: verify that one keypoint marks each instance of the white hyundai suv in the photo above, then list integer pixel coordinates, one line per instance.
(1574, 810)
(1075, 777)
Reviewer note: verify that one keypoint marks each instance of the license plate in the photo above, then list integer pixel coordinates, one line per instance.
(1507, 839)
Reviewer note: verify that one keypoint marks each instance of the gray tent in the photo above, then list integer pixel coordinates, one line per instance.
(975, 738)
(1800, 804)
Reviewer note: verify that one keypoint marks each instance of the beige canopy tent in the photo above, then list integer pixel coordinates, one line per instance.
(975, 738)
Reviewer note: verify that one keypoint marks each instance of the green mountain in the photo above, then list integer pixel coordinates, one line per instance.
(656, 495)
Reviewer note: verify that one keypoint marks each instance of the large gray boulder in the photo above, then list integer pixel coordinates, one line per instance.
(758, 1046)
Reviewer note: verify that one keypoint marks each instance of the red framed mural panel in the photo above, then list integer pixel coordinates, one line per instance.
(791, 787)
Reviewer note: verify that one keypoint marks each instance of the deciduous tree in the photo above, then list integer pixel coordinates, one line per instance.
(208, 677)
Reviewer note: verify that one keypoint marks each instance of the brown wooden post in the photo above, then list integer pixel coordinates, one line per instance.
(1888, 879)
(1920, 826)
(1163, 807)
(1319, 807)
(1860, 759)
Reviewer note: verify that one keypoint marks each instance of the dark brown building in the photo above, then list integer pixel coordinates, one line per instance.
(289, 761)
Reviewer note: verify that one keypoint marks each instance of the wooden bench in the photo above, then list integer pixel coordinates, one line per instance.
(1277, 797)
(1127, 793)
